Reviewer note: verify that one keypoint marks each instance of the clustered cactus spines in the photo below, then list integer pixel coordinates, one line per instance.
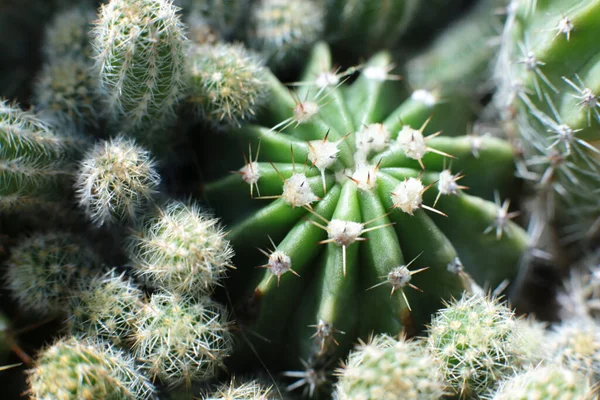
(180, 339)
(548, 78)
(545, 382)
(34, 159)
(67, 35)
(45, 269)
(106, 307)
(227, 83)
(180, 248)
(336, 232)
(236, 389)
(139, 49)
(116, 181)
(282, 31)
(78, 368)
(386, 368)
(474, 339)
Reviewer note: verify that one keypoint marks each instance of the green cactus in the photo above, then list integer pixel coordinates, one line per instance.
(376, 213)
(34, 160)
(180, 339)
(386, 368)
(180, 248)
(226, 83)
(548, 77)
(77, 368)
(551, 382)
(105, 307)
(116, 181)
(283, 31)
(242, 390)
(45, 269)
(139, 50)
(474, 339)
(226, 18)
(67, 35)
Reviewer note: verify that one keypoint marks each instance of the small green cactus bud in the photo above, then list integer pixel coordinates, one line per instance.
(283, 31)
(44, 269)
(75, 368)
(576, 345)
(227, 83)
(116, 180)
(180, 339)
(386, 368)
(106, 307)
(181, 249)
(139, 50)
(238, 390)
(552, 382)
(67, 35)
(33, 159)
(472, 338)
(66, 88)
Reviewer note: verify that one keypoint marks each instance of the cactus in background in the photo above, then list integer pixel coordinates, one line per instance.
(474, 339)
(77, 368)
(283, 31)
(576, 345)
(116, 181)
(44, 269)
(67, 35)
(139, 50)
(180, 339)
(580, 297)
(66, 89)
(236, 389)
(550, 382)
(180, 248)
(369, 224)
(548, 77)
(33, 159)
(227, 83)
(386, 368)
(226, 18)
(363, 27)
(106, 307)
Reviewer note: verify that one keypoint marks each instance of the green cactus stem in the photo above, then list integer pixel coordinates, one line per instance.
(360, 214)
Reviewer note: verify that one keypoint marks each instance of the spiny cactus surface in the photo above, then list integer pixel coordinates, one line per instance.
(359, 213)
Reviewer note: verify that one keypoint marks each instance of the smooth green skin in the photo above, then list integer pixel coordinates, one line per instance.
(281, 313)
(577, 58)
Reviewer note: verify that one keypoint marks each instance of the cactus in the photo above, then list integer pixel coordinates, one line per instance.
(116, 180)
(66, 89)
(34, 160)
(67, 35)
(43, 269)
(283, 31)
(550, 382)
(386, 368)
(362, 27)
(76, 368)
(139, 50)
(227, 84)
(547, 73)
(359, 225)
(225, 17)
(105, 307)
(576, 345)
(474, 339)
(180, 339)
(241, 390)
(180, 248)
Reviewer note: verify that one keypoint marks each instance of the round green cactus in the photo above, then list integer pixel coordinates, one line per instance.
(76, 368)
(139, 50)
(549, 82)
(551, 382)
(359, 212)
(386, 368)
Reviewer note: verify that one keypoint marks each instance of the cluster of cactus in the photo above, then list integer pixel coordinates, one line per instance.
(349, 249)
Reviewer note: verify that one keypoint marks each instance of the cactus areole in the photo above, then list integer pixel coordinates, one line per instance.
(349, 217)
